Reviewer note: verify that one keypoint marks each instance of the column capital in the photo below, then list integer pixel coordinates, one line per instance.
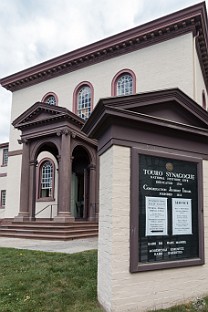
(73, 135)
(92, 166)
(33, 162)
(65, 131)
(21, 141)
(59, 158)
(58, 133)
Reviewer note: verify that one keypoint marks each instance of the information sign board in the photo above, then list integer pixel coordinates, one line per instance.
(168, 209)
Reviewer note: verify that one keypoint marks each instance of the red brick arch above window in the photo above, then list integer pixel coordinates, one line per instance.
(119, 75)
(50, 98)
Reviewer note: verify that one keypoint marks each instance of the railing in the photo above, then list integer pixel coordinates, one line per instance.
(51, 210)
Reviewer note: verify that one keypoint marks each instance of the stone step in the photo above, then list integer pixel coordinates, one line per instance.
(49, 226)
(39, 231)
(48, 237)
(49, 230)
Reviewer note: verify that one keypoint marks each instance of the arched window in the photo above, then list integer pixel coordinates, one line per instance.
(124, 83)
(46, 184)
(204, 104)
(83, 97)
(50, 98)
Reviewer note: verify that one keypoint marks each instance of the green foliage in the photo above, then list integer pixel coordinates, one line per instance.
(45, 282)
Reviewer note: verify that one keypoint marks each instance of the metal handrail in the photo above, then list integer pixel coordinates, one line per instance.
(50, 205)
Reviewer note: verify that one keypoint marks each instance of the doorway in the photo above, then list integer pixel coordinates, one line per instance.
(80, 183)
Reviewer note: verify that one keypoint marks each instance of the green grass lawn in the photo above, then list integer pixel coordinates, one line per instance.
(34, 281)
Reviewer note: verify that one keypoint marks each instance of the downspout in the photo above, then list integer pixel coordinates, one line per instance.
(194, 66)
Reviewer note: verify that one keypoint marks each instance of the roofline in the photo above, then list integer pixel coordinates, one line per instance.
(191, 19)
(58, 112)
(6, 144)
(120, 106)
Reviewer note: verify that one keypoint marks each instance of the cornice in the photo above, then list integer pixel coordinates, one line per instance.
(192, 19)
(2, 145)
(111, 109)
(56, 113)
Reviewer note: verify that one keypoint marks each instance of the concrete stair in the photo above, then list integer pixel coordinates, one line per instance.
(49, 230)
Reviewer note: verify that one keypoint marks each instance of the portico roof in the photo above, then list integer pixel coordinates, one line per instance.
(43, 113)
(165, 109)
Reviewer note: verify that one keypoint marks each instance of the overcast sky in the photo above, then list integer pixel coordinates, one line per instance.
(33, 31)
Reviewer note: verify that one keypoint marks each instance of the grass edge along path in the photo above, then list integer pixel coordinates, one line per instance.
(36, 281)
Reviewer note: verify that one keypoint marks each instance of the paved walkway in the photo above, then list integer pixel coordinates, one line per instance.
(71, 246)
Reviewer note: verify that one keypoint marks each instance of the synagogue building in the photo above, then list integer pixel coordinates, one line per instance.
(50, 166)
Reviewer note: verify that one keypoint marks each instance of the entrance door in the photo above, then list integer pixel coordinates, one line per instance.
(80, 183)
(86, 193)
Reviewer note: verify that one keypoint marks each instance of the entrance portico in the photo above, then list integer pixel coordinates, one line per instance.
(56, 133)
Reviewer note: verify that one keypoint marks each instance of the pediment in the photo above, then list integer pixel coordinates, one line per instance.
(170, 111)
(43, 113)
(169, 108)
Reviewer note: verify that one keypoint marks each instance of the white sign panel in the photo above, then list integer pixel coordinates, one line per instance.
(156, 216)
(181, 216)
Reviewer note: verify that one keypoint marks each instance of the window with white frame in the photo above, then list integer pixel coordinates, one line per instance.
(3, 198)
(46, 179)
(84, 102)
(124, 85)
(5, 157)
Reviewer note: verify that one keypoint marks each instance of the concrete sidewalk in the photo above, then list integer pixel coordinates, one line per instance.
(71, 246)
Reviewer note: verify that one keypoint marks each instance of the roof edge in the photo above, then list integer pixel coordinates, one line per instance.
(193, 18)
(120, 105)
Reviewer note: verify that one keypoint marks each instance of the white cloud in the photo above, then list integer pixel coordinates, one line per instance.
(33, 31)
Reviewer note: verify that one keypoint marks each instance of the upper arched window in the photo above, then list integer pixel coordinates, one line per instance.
(46, 184)
(124, 83)
(50, 98)
(83, 98)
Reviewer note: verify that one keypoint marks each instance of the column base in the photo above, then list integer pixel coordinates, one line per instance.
(92, 219)
(92, 212)
(22, 217)
(64, 217)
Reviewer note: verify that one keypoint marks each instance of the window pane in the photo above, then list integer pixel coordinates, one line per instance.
(51, 100)
(5, 157)
(46, 179)
(125, 85)
(3, 198)
(84, 102)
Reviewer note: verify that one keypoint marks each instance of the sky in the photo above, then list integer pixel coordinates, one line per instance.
(34, 31)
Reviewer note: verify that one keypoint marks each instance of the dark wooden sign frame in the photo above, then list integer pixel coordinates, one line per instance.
(168, 248)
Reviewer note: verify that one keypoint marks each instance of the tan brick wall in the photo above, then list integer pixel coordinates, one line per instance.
(105, 230)
(119, 290)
